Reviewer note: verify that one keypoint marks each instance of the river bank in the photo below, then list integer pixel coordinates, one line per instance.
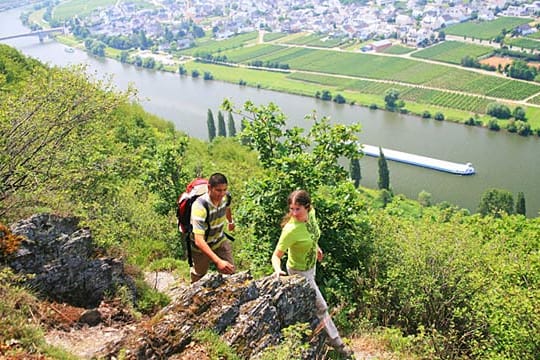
(288, 81)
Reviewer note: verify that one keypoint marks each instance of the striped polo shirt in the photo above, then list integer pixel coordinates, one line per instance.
(216, 219)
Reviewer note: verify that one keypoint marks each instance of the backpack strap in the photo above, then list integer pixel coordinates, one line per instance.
(190, 232)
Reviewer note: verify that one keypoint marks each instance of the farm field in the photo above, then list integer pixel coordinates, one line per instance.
(68, 9)
(377, 67)
(523, 43)
(398, 50)
(215, 47)
(452, 51)
(485, 30)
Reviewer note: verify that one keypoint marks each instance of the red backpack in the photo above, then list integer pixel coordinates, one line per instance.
(194, 190)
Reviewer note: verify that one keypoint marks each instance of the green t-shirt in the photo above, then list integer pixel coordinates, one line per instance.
(300, 240)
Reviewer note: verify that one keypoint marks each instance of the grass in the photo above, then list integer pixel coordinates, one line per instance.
(452, 51)
(486, 30)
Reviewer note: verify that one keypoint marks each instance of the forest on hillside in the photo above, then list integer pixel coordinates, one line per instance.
(436, 281)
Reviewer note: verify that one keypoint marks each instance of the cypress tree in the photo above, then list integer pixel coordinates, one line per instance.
(520, 204)
(355, 171)
(231, 126)
(211, 125)
(384, 173)
(221, 125)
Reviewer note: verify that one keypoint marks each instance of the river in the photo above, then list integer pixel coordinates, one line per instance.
(504, 161)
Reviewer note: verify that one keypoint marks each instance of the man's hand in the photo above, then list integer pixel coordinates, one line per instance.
(225, 267)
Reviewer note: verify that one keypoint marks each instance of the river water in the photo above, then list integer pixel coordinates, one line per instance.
(504, 161)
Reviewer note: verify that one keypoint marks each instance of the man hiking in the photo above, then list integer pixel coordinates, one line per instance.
(209, 215)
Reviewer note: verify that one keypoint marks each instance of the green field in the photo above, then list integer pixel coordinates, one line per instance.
(81, 8)
(486, 30)
(347, 64)
(523, 43)
(316, 40)
(398, 50)
(273, 36)
(452, 51)
(464, 102)
(210, 46)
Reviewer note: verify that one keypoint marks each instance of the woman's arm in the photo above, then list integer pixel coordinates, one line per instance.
(276, 262)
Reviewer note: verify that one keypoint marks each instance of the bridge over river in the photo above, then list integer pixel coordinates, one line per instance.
(41, 34)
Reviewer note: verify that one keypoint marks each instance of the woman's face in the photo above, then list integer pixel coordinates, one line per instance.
(299, 212)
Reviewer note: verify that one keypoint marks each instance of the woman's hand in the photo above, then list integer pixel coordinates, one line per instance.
(320, 254)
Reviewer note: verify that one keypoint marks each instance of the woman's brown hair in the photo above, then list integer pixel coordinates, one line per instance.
(298, 197)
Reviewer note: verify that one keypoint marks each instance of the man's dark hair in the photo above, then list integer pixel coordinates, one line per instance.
(217, 179)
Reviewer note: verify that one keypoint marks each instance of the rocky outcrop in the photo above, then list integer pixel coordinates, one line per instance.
(61, 259)
(248, 315)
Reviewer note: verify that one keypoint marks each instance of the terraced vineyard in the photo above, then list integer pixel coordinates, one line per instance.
(476, 104)
(452, 51)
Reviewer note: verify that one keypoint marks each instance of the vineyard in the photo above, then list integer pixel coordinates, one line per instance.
(317, 40)
(523, 43)
(464, 102)
(249, 53)
(217, 46)
(408, 71)
(485, 30)
(273, 36)
(452, 51)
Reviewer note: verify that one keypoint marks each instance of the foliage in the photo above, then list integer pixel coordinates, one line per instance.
(499, 111)
(391, 97)
(285, 155)
(231, 127)
(217, 348)
(520, 204)
(40, 148)
(211, 125)
(384, 172)
(9, 242)
(356, 173)
(293, 345)
(222, 130)
(434, 282)
(495, 202)
(16, 308)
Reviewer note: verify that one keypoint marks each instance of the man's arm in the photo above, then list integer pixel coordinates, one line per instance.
(223, 266)
(230, 220)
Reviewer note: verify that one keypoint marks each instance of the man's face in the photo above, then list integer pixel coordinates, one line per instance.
(217, 192)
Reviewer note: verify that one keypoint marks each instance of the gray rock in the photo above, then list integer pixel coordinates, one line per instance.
(59, 256)
(249, 315)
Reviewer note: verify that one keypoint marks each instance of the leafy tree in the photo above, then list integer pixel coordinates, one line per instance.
(493, 124)
(326, 95)
(520, 204)
(356, 174)
(340, 99)
(124, 57)
(519, 113)
(222, 130)
(45, 127)
(391, 97)
(384, 173)
(211, 125)
(208, 75)
(168, 177)
(182, 69)
(424, 198)
(230, 125)
(499, 111)
(292, 160)
(494, 202)
(439, 116)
